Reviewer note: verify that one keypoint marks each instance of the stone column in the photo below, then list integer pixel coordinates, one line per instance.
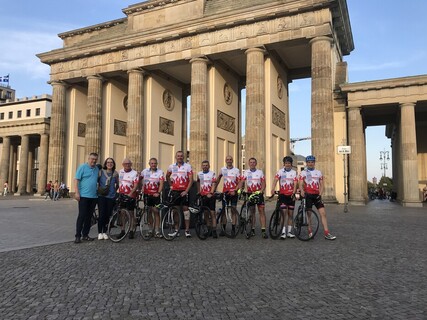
(322, 113)
(12, 168)
(23, 165)
(199, 112)
(94, 115)
(5, 160)
(408, 152)
(135, 119)
(30, 166)
(57, 132)
(255, 107)
(42, 158)
(357, 178)
(184, 139)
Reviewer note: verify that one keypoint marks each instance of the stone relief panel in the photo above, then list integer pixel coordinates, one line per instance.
(168, 100)
(226, 122)
(228, 94)
(120, 128)
(279, 117)
(166, 126)
(81, 129)
(279, 87)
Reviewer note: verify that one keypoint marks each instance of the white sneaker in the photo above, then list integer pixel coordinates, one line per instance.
(100, 236)
(291, 235)
(173, 234)
(105, 236)
(188, 234)
(283, 235)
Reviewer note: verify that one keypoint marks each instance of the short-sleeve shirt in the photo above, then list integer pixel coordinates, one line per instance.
(151, 180)
(127, 181)
(88, 180)
(287, 180)
(253, 179)
(206, 180)
(311, 180)
(231, 178)
(114, 179)
(180, 176)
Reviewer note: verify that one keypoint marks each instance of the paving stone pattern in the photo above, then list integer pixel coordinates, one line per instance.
(377, 268)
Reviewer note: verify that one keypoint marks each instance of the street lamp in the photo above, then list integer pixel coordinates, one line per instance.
(384, 156)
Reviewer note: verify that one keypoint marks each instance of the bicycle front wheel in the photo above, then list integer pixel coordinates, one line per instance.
(276, 224)
(203, 224)
(306, 225)
(171, 222)
(119, 225)
(146, 226)
(246, 221)
(231, 220)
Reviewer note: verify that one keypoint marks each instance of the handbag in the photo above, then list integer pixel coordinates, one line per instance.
(104, 190)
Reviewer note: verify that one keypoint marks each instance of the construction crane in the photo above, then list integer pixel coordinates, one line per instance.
(293, 140)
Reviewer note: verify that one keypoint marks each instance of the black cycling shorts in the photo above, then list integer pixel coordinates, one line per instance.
(313, 200)
(151, 201)
(176, 194)
(287, 201)
(209, 202)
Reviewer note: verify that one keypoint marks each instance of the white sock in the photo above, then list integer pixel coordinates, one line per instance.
(284, 229)
(289, 228)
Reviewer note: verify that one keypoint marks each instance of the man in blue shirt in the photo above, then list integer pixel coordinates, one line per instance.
(86, 181)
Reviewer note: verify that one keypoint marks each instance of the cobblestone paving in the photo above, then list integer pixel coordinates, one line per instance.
(377, 268)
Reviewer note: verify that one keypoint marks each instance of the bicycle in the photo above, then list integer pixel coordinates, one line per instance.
(277, 220)
(227, 216)
(306, 222)
(203, 219)
(247, 215)
(120, 222)
(171, 215)
(144, 219)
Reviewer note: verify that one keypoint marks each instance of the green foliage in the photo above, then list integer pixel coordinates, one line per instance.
(386, 183)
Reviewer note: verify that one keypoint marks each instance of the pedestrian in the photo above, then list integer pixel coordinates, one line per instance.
(48, 190)
(108, 183)
(86, 181)
(5, 189)
(55, 190)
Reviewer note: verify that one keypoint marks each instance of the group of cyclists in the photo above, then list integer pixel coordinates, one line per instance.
(95, 185)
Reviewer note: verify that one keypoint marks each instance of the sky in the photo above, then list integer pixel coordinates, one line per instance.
(389, 38)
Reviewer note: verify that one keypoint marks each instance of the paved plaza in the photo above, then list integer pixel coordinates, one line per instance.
(375, 269)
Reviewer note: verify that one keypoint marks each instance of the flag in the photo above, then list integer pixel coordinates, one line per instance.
(5, 79)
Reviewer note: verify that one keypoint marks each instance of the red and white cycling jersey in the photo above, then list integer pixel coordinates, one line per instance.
(231, 178)
(253, 179)
(180, 176)
(151, 180)
(287, 180)
(206, 179)
(311, 180)
(127, 181)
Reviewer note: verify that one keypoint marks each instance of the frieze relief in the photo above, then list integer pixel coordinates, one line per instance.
(81, 129)
(166, 126)
(226, 122)
(190, 42)
(279, 117)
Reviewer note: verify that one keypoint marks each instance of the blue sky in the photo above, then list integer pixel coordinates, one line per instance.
(389, 37)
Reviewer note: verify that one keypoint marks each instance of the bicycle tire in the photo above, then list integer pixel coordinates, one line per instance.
(231, 214)
(170, 217)
(203, 223)
(306, 228)
(275, 226)
(247, 223)
(121, 217)
(146, 225)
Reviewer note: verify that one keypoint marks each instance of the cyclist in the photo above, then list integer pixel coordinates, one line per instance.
(255, 182)
(206, 185)
(311, 186)
(288, 186)
(128, 184)
(232, 178)
(180, 179)
(153, 180)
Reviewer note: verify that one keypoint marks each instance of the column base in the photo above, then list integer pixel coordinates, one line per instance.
(412, 204)
(357, 202)
(329, 199)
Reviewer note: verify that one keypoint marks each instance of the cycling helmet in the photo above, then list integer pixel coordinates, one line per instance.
(310, 158)
(288, 159)
(255, 198)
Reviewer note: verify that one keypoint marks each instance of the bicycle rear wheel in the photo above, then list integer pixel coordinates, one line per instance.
(119, 225)
(276, 224)
(203, 224)
(247, 223)
(146, 226)
(230, 218)
(306, 225)
(171, 222)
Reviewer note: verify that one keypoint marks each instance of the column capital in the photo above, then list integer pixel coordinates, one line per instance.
(58, 83)
(96, 77)
(137, 70)
(407, 104)
(200, 59)
(353, 108)
(321, 38)
(256, 49)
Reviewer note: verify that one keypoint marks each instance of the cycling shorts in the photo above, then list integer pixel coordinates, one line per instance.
(176, 194)
(151, 201)
(313, 200)
(209, 202)
(286, 202)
